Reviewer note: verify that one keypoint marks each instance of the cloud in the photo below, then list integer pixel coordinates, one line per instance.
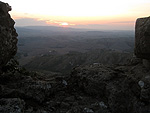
(30, 22)
(121, 25)
(39, 22)
(54, 22)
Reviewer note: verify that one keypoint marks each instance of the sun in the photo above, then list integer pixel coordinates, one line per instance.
(64, 24)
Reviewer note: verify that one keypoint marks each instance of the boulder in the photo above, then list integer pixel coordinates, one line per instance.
(142, 38)
(8, 35)
(111, 86)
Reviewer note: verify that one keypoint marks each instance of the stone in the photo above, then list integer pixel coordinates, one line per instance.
(64, 105)
(8, 35)
(88, 110)
(12, 105)
(71, 98)
(142, 38)
(102, 104)
(141, 84)
(146, 63)
(75, 109)
(114, 89)
(145, 90)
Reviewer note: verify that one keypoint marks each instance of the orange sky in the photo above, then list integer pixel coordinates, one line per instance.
(91, 14)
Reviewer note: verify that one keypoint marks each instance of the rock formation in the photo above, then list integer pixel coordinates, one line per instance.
(142, 40)
(8, 40)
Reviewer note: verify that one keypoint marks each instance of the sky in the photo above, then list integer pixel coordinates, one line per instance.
(89, 14)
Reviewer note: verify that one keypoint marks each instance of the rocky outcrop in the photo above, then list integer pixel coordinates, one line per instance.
(115, 87)
(11, 105)
(142, 40)
(8, 40)
(88, 89)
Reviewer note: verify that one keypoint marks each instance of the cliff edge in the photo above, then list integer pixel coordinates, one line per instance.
(8, 35)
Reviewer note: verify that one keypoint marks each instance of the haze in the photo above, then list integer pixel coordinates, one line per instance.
(90, 14)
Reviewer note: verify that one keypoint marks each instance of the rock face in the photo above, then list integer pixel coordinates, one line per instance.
(8, 40)
(142, 38)
(117, 90)
(88, 89)
(11, 105)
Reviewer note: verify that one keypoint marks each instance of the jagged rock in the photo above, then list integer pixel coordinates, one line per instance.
(143, 106)
(75, 109)
(142, 38)
(25, 87)
(145, 90)
(88, 110)
(36, 90)
(111, 86)
(12, 105)
(146, 63)
(8, 40)
(71, 99)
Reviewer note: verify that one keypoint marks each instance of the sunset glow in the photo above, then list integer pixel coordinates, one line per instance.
(80, 12)
(64, 24)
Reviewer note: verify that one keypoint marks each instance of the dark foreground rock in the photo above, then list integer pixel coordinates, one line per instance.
(8, 40)
(88, 89)
(117, 88)
(11, 105)
(142, 38)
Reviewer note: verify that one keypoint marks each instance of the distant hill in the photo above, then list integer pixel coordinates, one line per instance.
(29, 31)
(49, 47)
(64, 63)
(34, 46)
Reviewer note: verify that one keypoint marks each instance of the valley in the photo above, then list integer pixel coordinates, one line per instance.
(56, 49)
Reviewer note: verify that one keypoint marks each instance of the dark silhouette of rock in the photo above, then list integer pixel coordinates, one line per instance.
(89, 89)
(8, 40)
(142, 38)
(12, 105)
(112, 87)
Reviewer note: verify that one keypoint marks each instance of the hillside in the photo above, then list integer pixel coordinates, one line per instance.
(54, 45)
(65, 63)
(63, 44)
(41, 31)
